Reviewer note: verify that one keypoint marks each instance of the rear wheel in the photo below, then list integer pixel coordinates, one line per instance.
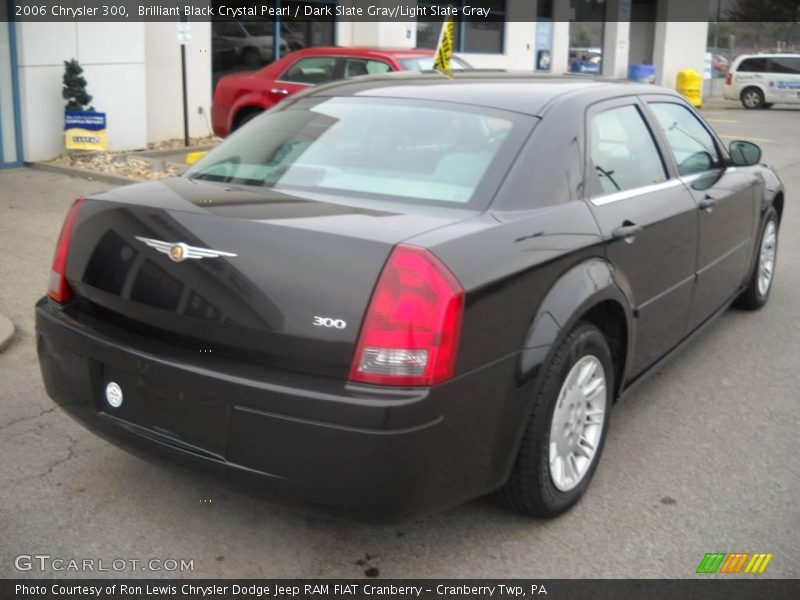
(564, 436)
(752, 98)
(757, 292)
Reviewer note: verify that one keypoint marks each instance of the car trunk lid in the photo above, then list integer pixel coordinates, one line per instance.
(281, 280)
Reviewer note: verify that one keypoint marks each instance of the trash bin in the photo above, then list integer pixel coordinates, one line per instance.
(690, 85)
(642, 73)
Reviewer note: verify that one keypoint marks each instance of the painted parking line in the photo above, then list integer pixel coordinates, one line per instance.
(712, 120)
(744, 137)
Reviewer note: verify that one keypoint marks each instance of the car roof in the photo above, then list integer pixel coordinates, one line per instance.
(523, 92)
(769, 55)
(363, 51)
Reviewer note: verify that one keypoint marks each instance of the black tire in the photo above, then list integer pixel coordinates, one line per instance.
(245, 117)
(530, 489)
(752, 98)
(769, 104)
(752, 298)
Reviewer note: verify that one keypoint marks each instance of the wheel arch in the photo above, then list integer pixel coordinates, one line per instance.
(242, 111)
(754, 85)
(777, 203)
(588, 291)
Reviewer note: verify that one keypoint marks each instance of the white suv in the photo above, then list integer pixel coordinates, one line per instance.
(761, 80)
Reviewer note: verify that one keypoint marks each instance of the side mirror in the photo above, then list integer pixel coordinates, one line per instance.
(744, 154)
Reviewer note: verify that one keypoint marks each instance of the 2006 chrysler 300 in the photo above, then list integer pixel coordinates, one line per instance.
(390, 295)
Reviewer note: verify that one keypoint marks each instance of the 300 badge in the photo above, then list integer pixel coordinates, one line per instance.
(328, 322)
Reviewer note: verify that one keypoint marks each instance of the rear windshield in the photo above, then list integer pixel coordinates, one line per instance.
(376, 148)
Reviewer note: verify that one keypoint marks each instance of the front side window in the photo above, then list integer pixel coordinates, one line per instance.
(313, 70)
(785, 64)
(373, 149)
(355, 67)
(691, 144)
(623, 153)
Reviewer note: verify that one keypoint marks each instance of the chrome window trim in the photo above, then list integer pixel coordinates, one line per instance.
(296, 83)
(637, 191)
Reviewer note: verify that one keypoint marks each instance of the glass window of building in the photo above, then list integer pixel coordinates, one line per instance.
(483, 35)
(250, 45)
(587, 21)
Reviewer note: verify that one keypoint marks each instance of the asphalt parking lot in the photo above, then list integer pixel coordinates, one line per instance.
(701, 458)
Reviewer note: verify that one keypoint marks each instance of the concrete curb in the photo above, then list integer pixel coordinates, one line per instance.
(6, 333)
(84, 173)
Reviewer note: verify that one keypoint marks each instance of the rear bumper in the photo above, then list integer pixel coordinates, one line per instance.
(358, 452)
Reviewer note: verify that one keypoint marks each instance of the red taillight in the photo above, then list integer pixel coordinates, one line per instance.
(59, 289)
(411, 329)
(729, 79)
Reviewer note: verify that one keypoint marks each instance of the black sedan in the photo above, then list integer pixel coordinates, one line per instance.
(390, 295)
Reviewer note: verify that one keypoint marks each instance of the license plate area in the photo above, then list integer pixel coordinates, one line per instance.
(156, 399)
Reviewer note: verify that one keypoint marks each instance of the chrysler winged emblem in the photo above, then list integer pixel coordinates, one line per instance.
(178, 251)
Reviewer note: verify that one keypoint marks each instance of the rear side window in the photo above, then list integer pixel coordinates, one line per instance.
(313, 70)
(753, 65)
(691, 144)
(785, 64)
(623, 153)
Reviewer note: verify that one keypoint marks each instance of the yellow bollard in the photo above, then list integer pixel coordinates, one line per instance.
(690, 85)
(193, 157)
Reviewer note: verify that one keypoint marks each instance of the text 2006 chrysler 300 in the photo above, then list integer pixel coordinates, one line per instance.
(390, 295)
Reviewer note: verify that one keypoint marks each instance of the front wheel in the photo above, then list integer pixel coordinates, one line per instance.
(758, 287)
(564, 436)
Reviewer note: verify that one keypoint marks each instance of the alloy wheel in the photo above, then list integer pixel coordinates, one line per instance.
(577, 424)
(766, 259)
(752, 99)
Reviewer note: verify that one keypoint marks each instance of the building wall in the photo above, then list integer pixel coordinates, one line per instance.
(163, 81)
(678, 46)
(133, 68)
(113, 59)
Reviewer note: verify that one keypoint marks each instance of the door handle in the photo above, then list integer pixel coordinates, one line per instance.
(279, 91)
(707, 204)
(627, 231)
